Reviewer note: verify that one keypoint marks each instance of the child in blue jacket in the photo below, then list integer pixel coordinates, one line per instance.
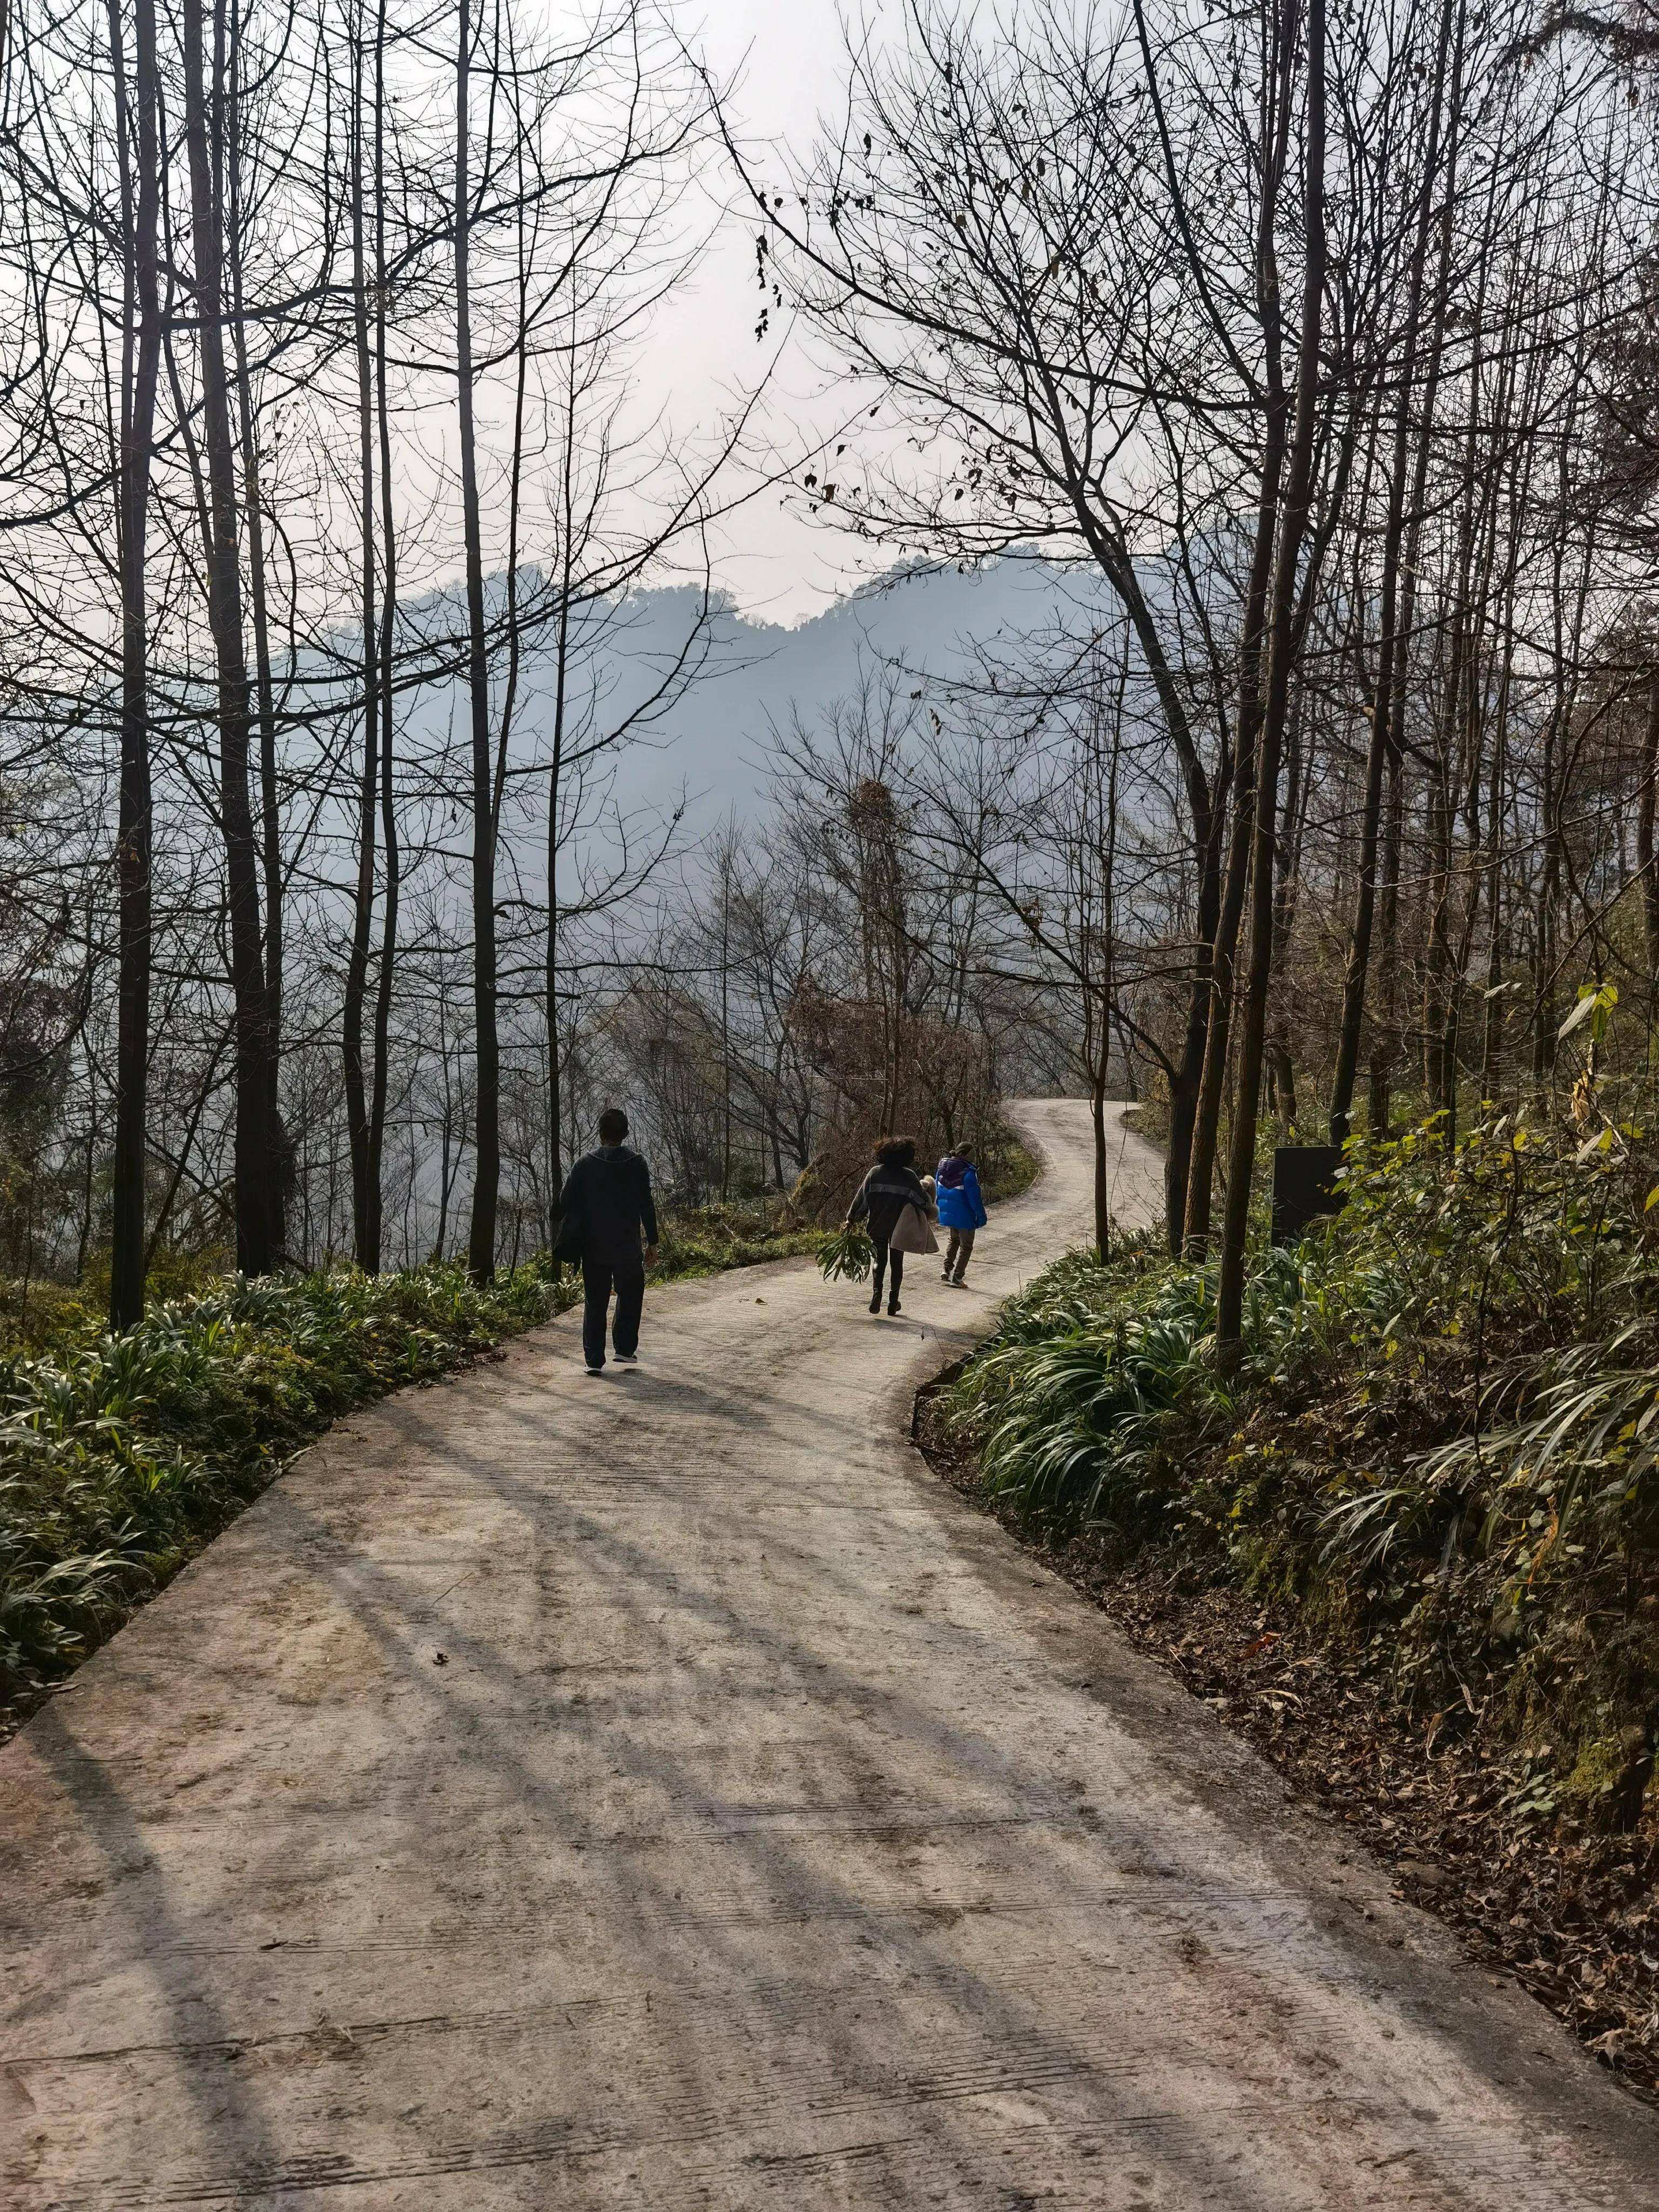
(961, 1210)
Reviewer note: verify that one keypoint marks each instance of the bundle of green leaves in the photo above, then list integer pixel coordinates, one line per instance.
(845, 1253)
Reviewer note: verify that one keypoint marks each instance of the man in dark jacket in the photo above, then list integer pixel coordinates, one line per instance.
(606, 1206)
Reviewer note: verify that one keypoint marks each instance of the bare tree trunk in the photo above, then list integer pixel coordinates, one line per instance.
(204, 119)
(1491, 1042)
(1247, 790)
(364, 1168)
(1207, 1118)
(1436, 966)
(551, 990)
(1385, 1045)
(1552, 808)
(280, 1167)
(1205, 803)
(139, 141)
(390, 849)
(1299, 501)
(1391, 644)
(1645, 855)
(1301, 764)
(1184, 1088)
(1281, 1076)
(726, 1024)
(486, 1143)
(1378, 1106)
(556, 1130)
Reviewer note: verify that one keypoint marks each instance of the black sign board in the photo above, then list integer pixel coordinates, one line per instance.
(1304, 1188)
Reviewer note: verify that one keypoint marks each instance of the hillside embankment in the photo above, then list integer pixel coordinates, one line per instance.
(1411, 1546)
(121, 1456)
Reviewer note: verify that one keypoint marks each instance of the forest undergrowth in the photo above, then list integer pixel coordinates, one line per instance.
(121, 1456)
(1411, 1541)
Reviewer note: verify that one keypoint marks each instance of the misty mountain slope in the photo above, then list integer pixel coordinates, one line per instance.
(713, 743)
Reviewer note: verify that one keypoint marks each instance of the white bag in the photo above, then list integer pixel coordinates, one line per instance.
(913, 1232)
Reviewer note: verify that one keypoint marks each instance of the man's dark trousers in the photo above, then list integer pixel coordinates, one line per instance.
(600, 1279)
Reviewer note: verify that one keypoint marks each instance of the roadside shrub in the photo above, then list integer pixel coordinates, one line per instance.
(1079, 1403)
(120, 1455)
(1442, 1437)
(700, 1241)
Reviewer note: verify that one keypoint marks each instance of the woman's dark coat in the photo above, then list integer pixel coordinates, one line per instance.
(883, 1196)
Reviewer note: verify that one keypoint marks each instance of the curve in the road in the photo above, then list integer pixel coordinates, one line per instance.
(660, 1792)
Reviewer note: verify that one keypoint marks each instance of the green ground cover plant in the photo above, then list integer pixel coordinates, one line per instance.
(1007, 1167)
(1440, 1448)
(701, 1242)
(121, 1456)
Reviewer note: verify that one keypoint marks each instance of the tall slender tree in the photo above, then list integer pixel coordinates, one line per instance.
(138, 152)
(486, 1142)
(206, 84)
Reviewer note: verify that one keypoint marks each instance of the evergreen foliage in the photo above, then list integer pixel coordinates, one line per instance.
(1441, 1440)
(120, 1455)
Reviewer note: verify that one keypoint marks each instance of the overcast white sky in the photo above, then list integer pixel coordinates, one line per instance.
(780, 564)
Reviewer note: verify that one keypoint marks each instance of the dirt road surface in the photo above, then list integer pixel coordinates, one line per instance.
(660, 1792)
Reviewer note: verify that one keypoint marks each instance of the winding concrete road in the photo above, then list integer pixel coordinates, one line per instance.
(661, 1792)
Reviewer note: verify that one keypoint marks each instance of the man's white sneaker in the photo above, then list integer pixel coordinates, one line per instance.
(629, 1359)
(596, 1371)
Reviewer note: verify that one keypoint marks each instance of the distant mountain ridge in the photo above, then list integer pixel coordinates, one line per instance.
(759, 674)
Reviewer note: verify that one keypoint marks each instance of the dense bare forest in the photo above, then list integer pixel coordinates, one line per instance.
(1325, 339)
(1321, 342)
(360, 561)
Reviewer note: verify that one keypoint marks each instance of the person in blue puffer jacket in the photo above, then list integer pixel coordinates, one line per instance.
(961, 1210)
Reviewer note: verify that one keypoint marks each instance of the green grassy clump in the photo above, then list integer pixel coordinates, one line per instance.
(702, 1240)
(1441, 1442)
(120, 1455)
(1007, 1167)
(46, 1315)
